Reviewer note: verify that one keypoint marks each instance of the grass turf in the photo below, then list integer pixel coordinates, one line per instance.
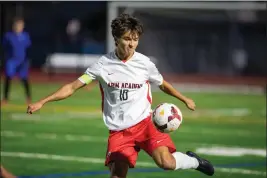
(74, 127)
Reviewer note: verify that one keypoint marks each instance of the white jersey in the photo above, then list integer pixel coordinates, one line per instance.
(125, 88)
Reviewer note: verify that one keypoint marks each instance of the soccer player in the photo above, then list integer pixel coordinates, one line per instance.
(124, 76)
(16, 44)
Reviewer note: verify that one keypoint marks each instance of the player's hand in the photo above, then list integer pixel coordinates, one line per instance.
(190, 104)
(34, 107)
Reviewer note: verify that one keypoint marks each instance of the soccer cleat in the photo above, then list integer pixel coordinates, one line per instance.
(204, 165)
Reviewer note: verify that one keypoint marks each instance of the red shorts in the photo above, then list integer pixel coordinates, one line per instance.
(124, 145)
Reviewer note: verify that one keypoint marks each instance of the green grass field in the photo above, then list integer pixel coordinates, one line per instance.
(70, 137)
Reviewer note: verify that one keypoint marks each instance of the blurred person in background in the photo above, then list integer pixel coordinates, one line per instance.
(5, 174)
(15, 45)
(72, 43)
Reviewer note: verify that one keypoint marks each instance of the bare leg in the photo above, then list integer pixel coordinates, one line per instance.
(177, 161)
(118, 169)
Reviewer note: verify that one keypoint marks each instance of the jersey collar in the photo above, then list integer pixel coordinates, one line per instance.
(124, 61)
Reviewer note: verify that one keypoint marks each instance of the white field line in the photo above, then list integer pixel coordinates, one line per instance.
(218, 88)
(101, 161)
(221, 132)
(203, 148)
(231, 151)
(13, 134)
(81, 138)
(64, 158)
(89, 138)
(37, 118)
(53, 136)
(86, 138)
(240, 171)
(56, 116)
(211, 113)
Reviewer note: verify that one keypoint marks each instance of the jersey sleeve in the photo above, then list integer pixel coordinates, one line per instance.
(91, 73)
(153, 73)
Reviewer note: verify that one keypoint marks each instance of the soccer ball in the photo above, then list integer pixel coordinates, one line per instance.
(167, 117)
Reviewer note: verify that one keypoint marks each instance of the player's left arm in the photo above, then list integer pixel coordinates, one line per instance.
(156, 78)
(167, 88)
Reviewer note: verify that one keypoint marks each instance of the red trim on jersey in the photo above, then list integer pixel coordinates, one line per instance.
(148, 92)
(102, 96)
(123, 60)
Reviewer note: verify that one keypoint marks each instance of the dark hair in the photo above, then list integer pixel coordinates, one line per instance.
(124, 23)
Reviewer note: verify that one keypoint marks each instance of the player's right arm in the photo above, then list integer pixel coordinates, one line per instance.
(92, 72)
(62, 93)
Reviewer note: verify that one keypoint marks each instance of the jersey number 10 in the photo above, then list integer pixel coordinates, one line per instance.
(123, 95)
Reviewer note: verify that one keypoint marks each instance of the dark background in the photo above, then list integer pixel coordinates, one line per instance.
(185, 42)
